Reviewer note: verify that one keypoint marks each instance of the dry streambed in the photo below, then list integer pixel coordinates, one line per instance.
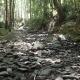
(37, 56)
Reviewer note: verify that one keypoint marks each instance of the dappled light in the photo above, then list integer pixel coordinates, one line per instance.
(39, 39)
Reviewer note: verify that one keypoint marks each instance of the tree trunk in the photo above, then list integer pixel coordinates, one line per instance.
(60, 12)
(13, 6)
(30, 10)
(6, 12)
(10, 7)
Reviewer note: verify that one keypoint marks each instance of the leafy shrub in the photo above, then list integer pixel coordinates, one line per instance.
(70, 12)
(38, 23)
(2, 24)
(3, 31)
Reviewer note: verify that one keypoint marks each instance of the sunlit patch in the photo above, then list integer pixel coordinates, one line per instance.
(21, 10)
(20, 53)
(61, 36)
(30, 38)
(42, 35)
(22, 45)
(21, 28)
(53, 61)
(39, 53)
(37, 45)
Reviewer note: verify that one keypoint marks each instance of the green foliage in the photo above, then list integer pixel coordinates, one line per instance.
(2, 24)
(38, 23)
(40, 14)
(3, 32)
(72, 30)
(42, 11)
(71, 9)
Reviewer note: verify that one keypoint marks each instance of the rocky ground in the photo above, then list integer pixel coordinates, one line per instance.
(39, 56)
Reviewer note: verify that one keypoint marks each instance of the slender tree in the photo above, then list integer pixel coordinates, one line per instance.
(60, 12)
(6, 12)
